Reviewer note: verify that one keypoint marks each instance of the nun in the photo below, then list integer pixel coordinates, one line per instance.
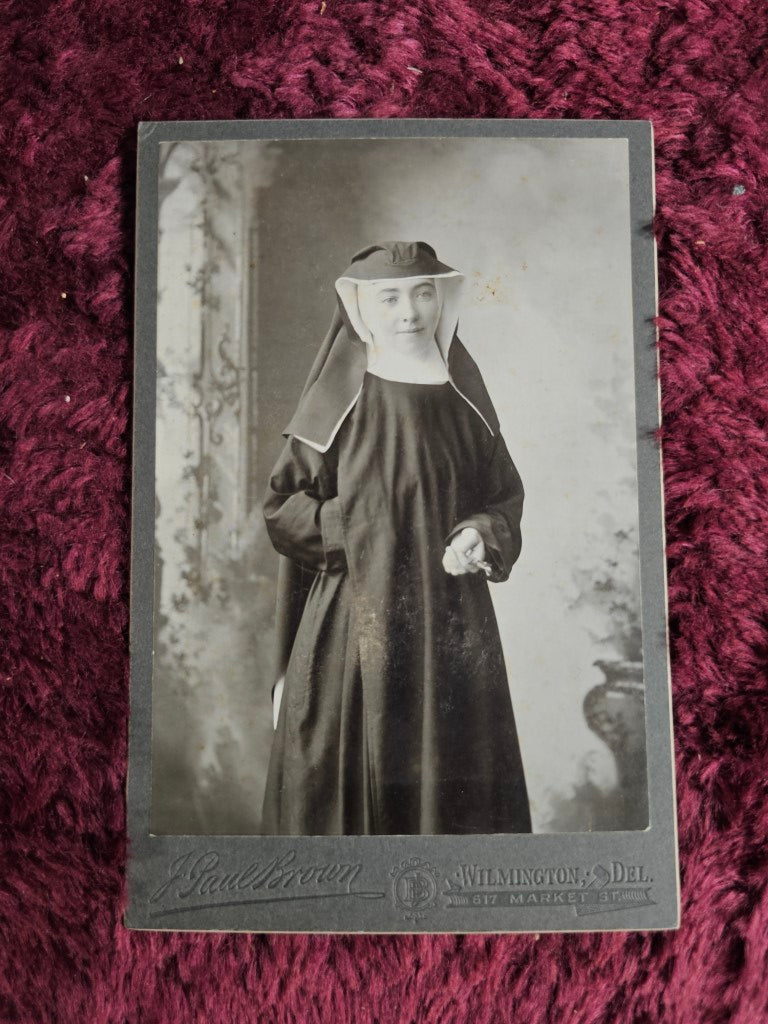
(393, 505)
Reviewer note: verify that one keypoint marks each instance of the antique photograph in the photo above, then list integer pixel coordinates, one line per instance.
(397, 534)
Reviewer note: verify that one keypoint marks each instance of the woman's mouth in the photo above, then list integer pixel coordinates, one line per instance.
(411, 330)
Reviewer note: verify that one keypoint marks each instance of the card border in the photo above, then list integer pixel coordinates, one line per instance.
(339, 884)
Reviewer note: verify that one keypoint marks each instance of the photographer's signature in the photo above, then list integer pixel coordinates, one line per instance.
(198, 876)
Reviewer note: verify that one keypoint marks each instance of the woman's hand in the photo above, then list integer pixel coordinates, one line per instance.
(465, 553)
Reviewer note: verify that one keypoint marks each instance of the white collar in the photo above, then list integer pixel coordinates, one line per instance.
(393, 366)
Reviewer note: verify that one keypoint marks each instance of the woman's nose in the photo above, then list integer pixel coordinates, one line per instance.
(409, 312)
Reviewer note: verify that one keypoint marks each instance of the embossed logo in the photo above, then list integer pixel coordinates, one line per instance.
(414, 887)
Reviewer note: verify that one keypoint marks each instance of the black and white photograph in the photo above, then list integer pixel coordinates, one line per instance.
(396, 489)
(397, 513)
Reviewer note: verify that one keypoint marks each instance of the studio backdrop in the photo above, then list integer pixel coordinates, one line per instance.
(252, 237)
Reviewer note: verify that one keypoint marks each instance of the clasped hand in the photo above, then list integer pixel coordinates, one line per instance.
(465, 553)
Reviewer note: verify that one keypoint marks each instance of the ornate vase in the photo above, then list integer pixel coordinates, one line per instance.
(615, 711)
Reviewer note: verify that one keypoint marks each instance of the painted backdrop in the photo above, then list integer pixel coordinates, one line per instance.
(252, 236)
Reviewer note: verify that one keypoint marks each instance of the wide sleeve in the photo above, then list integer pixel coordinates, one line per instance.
(302, 510)
(498, 519)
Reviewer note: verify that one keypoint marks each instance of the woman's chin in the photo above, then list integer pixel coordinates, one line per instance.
(409, 342)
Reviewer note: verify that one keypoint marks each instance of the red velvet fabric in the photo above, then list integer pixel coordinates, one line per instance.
(76, 78)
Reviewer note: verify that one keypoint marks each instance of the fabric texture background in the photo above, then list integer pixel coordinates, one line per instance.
(76, 79)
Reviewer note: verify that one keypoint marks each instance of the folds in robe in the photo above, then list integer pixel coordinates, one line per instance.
(396, 716)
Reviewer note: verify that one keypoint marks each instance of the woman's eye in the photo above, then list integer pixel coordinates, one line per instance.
(391, 300)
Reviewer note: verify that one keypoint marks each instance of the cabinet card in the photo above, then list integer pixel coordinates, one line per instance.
(399, 653)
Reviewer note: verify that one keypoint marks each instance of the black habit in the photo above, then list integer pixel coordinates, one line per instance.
(396, 716)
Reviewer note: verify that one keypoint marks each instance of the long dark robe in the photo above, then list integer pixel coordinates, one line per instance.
(396, 716)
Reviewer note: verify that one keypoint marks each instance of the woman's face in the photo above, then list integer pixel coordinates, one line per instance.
(401, 314)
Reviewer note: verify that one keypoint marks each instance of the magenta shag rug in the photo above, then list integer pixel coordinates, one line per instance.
(77, 76)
